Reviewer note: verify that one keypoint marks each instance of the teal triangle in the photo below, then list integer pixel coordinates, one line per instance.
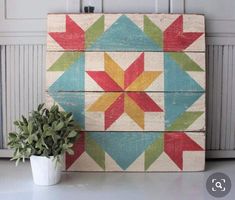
(72, 79)
(124, 35)
(71, 102)
(176, 79)
(177, 103)
(124, 147)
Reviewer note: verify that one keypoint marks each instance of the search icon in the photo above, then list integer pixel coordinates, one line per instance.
(218, 185)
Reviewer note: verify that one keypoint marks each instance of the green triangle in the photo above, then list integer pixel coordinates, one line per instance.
(95, 151)
(185, 62)
(94, 31)
(65, 61)
(153, 32)
(153, 152)
(184, 121)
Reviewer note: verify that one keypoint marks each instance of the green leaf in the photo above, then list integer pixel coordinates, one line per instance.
(45, 127)
(24, 119)
(30, 127)
(40, 106)
(47, 132)
(12, 136)
(59, 126)
(72, 134)
(16, 123)
(30, 139)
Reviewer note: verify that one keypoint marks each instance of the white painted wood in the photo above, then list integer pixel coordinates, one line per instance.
(211, 7)
(162, 6)
(24, 22)
(220, 15)
(73, 6)
(38, 9)
(177, 6)
(131, 6)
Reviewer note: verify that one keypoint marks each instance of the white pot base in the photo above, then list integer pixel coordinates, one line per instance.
(45, 170)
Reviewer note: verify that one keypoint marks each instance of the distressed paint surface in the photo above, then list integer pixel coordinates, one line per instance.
(136, 85)
(126, 71)
(137, 151)
(127, 32)
(136, 111)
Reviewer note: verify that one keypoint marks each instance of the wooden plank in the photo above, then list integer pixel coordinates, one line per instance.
(146, 152)
(140, 71)
(151, 79)
(136, 111)
(177, 6)
(108, 32)
(122, 6)
(162, 6)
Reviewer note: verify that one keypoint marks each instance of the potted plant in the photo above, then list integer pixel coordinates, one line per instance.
(44, 138)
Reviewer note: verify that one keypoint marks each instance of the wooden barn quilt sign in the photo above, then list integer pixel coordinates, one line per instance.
(136, 85)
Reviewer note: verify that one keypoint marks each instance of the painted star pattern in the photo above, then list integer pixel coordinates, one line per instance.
(126, 83)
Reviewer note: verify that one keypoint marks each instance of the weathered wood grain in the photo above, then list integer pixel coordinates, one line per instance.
(125, 71)
(125, 32)
(138, 151)
(137, 82)
(134, 111)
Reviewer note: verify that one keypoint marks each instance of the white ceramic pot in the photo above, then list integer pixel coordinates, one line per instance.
(45, 170)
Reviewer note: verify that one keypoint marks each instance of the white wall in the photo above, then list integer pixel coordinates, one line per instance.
(23, 38)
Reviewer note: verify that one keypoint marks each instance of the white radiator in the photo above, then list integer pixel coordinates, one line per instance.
(22, 75)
